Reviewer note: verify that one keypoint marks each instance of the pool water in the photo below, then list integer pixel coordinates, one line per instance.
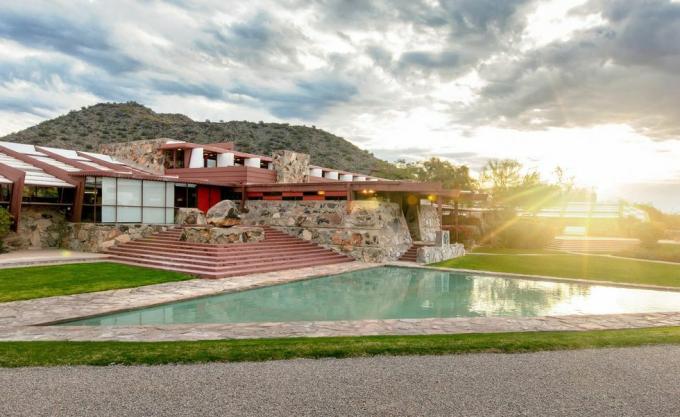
(395, 292)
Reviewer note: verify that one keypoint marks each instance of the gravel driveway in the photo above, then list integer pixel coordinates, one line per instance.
(608, 382)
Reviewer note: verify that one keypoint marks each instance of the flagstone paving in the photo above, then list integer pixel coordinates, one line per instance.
(25, 320)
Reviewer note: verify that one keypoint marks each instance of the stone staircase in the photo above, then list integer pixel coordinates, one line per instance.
(278, 251)
(411, 255)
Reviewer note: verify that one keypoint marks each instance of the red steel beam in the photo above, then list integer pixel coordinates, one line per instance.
(17, 177)
(78, 183)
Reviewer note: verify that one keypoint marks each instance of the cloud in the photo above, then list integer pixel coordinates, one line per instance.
(307, 100)
(623, 71)
(86, 40)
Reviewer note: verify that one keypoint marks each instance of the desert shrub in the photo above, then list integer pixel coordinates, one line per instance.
(522, 234)
(5, 223)
(649, 233)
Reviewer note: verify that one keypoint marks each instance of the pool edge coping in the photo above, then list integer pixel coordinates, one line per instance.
(539, 277)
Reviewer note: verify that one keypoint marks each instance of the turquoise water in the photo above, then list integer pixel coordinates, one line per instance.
(391, 293)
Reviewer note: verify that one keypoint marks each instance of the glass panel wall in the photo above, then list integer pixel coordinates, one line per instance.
(123, 200)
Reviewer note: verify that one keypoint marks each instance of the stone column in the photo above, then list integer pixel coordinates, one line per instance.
(290, 167)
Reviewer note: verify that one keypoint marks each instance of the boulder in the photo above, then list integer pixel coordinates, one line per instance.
(224, 214)
(190, 216)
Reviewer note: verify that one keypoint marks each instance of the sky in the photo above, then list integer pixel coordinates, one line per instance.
(592, 86)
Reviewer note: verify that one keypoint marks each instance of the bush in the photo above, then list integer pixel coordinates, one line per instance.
(649, 233)
(522, 234)
(5, 223)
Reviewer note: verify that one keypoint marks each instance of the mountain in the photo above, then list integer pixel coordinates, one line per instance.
(87, 128)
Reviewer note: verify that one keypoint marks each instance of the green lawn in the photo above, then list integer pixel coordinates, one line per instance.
(47, 281)
(593, 267)
(663, 252)
(14, 354)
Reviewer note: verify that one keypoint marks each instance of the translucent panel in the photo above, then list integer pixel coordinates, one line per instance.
(129, 192)
(154, 215)
(108, 191)
(129, 214)
(108, 214)
(154, 194)
(170, 216)
(170, 194)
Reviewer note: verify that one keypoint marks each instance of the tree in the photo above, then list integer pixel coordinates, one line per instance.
(501, 174)
(451, 176)
(434, 170)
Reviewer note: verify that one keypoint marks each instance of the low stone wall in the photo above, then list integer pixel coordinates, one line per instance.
(40, 227)
(222, 235)
(44, 227)
(92, 237)
(432, 254)
(371, 231)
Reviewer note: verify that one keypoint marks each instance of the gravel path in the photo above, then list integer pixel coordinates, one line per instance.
(609, 382)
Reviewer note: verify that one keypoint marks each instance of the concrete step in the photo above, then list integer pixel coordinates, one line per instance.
(233, 269)
(211, 260)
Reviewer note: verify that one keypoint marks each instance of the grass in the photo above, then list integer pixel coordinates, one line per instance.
(505, 251)
(589, 267)
(662, 252)
(16, 354)
(46, 281)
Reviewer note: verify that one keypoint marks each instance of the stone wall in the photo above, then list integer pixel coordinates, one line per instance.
(428, 220)
(423, 222)
(92, 237)
(39, 228)
(371, 231)
(290, 166)
(432, 254)
(142, 154)
(44, 227)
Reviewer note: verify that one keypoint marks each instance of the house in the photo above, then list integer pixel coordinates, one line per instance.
(148, 182)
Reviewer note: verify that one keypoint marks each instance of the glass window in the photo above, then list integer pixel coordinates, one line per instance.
(108, 191)
(154, 215)
(129, 214)
(129, 192)
(154, 194)
(108, 214)
(169, 194)
(170, 215)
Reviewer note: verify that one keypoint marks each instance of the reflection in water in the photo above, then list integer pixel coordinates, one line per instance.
(390, 293)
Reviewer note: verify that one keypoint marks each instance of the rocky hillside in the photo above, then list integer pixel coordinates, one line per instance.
(85, 129)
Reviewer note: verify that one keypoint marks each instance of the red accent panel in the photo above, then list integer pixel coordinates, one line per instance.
(272, 197)
(336, 193)
(255, 194)
(293, 194)
(314, 197)
(207, 197)
(203, 194)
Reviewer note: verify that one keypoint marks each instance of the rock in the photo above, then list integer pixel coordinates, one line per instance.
(225, 213)
(306, 235)
(122, 239)
(190, 216)
(222, 235)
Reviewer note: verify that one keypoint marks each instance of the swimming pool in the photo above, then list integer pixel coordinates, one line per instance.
(398, 293)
